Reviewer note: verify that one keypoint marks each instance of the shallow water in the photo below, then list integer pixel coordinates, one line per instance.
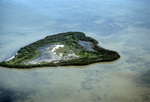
(120, 25)
(87, 45)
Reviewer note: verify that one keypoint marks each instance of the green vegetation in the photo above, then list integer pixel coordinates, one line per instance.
(70, 40)
(64, 50)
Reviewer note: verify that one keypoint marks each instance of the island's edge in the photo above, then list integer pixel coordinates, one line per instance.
(21, 66)
(72, 62)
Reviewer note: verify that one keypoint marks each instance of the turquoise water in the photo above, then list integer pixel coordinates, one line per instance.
(120, 25)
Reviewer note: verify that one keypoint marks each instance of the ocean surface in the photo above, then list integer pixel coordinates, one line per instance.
(120, 25)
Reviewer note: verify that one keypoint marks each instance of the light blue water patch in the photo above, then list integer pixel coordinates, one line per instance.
(87, 45)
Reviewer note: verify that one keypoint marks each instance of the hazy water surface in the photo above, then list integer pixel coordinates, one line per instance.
(120, 25)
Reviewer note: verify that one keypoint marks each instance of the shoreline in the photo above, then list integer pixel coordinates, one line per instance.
(11, 57)
(71, 66)
(87, 57)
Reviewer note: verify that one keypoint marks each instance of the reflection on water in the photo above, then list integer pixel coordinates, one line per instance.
(120, 25)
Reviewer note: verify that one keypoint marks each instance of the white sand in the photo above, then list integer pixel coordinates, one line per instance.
(57, 47)
(11, 57)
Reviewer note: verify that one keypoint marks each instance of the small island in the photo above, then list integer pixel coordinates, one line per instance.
(63, 49)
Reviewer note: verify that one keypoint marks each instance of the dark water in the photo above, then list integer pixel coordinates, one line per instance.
(120, 25)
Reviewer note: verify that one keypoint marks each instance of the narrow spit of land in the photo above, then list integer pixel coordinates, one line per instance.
(63, 49)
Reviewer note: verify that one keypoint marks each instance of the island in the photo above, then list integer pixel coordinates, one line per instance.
(63, 49)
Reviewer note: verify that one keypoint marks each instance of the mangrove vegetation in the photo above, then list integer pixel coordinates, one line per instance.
(78, 54)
